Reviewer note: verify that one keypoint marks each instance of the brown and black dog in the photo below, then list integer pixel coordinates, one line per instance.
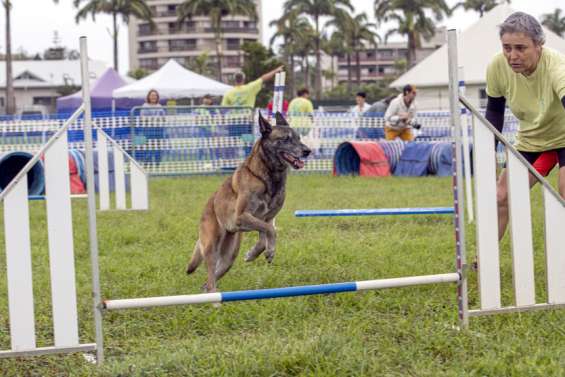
(248, 201)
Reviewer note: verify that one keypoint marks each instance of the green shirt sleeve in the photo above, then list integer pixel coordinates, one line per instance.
(493, 79)
(255, 86)
(226, 99)
(557, 76)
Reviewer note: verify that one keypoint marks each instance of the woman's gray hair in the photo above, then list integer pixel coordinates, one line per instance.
(520, 22)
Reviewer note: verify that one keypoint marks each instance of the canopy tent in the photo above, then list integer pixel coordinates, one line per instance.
(100, 94)
(171, 81)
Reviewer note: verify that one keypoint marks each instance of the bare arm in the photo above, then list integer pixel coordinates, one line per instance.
(269, 75)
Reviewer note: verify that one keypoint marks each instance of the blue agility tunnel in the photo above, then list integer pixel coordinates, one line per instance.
(10, 165)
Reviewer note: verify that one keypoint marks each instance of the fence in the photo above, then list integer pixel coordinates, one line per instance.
(210, 140)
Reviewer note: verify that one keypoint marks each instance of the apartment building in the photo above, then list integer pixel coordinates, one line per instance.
(383, 62)
(150, 48)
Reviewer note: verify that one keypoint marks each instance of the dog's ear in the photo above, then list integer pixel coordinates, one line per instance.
(264, 126)
(280, 120)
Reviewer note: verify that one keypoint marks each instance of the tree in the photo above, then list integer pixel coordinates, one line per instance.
(335, 46)
(412, 20)
(216, 10)
(317, 9)
(554, 21)
(201, 65)
(257, 60)
(138, 73)
(480, 6)
(291, 28)
(10, 96)
(357, 34)
(116, 8)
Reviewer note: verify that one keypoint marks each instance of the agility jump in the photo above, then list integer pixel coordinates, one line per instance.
(66, 335)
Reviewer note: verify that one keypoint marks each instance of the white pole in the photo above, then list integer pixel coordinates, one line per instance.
(458, 180)
(281, 91)
(466, 151)
(91, 201)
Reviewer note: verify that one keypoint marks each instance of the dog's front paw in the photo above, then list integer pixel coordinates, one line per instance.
(270, 255)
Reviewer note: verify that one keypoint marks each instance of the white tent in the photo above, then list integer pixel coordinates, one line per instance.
(173, 81)
(477, 45)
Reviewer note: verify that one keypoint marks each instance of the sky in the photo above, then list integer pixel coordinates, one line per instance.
(34, 23)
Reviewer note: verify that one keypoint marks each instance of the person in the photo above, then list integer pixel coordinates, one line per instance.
(270, 107)
(380, 106)
(207, 100)
(530, 79)
(300, 111)
(152, 107)
(245, 94)
(152, 114)
(360, 105)
(400, 115)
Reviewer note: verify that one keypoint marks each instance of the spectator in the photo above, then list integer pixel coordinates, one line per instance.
(152, 114)
(400, 115)
(245, 95)
(152, 107)
(207, 100)
(270, 107)
(530, 78)
(300, 111)
(360, 105)
(380, 106)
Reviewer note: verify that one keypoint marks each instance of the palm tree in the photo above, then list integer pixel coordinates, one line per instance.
(358, 33)
(216, 10)
(304, 48)
(292, 28)
(335, 46)
(317, 9)
(123, 8)
(201, 65)
(480, 6)
(554, 22)
(411, 19)
(10, 96)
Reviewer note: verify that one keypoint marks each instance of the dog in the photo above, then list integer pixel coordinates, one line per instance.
(248, 201)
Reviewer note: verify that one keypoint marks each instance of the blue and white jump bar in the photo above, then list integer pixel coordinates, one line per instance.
(261, 294)
(374, 212)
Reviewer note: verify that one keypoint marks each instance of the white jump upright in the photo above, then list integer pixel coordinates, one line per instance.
(518, 173)
(61, 254)
(137, 176)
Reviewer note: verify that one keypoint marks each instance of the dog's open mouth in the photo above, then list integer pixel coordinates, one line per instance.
(294, 161)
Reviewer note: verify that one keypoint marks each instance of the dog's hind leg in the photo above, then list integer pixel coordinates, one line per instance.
(258, 248)
(196, 258)
(229, 249)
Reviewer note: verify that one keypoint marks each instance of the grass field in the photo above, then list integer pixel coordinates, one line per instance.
(399, 332)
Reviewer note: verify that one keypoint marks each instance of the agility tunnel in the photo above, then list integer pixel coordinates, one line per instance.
(364, 158)
(12, 162)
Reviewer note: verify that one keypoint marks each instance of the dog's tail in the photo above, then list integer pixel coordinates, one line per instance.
(196, 258)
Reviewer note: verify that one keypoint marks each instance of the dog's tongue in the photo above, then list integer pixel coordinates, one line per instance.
(298, 164)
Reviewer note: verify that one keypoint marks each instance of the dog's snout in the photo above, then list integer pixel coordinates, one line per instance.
(306, 152)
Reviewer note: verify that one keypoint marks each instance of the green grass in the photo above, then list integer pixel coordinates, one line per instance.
(399, 332)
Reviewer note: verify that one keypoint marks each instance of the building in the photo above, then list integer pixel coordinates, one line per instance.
(386, 60)
(151, 48)
(37, 83)
(477, 46)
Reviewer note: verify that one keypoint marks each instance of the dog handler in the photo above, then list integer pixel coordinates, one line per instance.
(530, 79)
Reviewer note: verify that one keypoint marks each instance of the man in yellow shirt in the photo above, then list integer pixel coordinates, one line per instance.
(245, 95)
(300, 111)
(530, 79)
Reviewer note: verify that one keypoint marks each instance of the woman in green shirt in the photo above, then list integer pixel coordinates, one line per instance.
(530, 79)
